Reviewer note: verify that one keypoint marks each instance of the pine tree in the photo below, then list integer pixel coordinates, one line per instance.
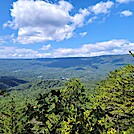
(11, 119)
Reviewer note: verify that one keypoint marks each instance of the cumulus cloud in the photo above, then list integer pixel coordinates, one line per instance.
(111, 47)
(47, 47)
(40, 21)
(101, 7)
(79, 18)
(14, 52)
(97, 49)
(126, 13)
(124, 1)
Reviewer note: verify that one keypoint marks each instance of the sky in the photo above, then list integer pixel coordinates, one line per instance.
(71, 28)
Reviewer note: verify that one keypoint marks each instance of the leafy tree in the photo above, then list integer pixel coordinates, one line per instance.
(116, 100)
(59, 111)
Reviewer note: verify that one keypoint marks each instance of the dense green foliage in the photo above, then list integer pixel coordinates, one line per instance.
(54, 106)
(59, 111)
(116, 100)
(11, 119)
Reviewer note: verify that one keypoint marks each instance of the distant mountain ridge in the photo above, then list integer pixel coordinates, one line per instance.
(74, 61)
(86, 68)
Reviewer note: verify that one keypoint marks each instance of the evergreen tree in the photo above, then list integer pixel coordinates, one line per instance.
(11, 119)
(116, 100)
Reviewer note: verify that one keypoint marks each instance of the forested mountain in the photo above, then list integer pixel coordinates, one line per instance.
(18, 71)
(44, 98)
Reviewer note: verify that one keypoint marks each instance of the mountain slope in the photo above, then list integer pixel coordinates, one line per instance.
(86, 68)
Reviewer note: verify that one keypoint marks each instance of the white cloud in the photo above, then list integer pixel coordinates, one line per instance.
(91, 20)
(40, 21)
(101, 7)
(79, 18)
(83, 34)
(100, 48)
(124, 1)
(6, 38)
(2, 40)
(126, 13)
(47, 47)
(14, 52)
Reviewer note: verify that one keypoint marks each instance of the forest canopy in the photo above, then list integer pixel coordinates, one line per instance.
(71, 108)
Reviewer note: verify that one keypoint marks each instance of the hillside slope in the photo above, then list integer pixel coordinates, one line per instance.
(86, 68)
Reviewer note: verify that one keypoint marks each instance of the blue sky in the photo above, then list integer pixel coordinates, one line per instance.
(80, 28)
